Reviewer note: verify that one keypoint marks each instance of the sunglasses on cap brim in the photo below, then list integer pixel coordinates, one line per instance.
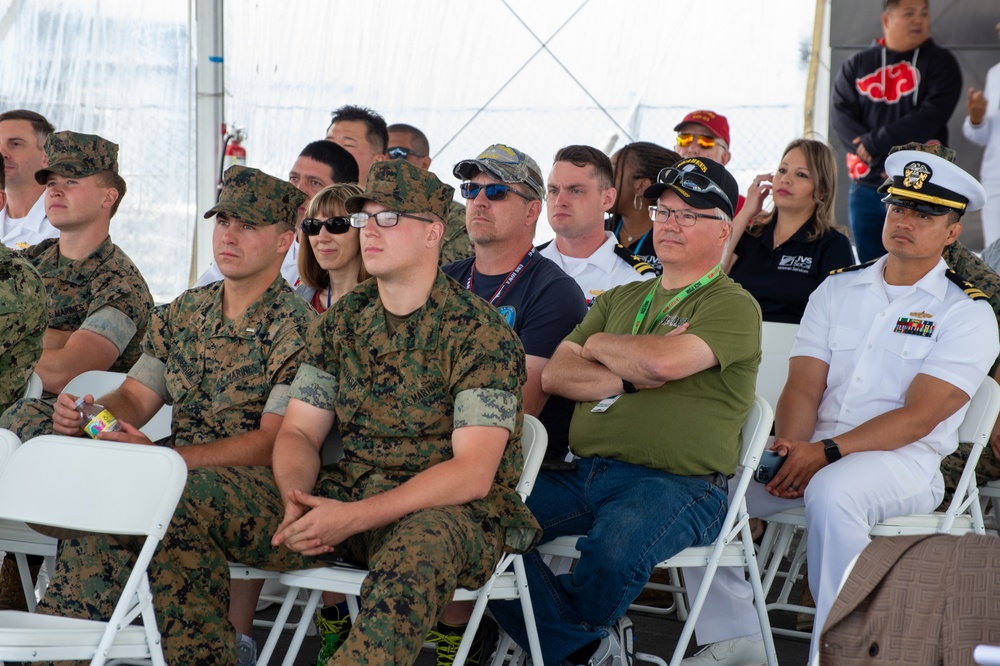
(692, 181)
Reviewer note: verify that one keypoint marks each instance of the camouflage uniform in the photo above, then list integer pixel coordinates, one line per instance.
(975, 271)
(398, 397)
(103, 293)
(23, 308)
(456, 244)
(220, 376)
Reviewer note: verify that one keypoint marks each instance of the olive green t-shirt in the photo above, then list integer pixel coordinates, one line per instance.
(688, 426)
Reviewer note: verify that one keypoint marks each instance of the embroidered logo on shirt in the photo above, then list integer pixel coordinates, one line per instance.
(508, 313)
(795, 264)
(914, 326)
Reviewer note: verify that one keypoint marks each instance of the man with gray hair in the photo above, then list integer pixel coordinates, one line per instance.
(665, 354)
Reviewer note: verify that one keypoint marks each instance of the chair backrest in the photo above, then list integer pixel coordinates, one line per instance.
(8, 443)
(534, 441)
(981, 415)
(776, 342)
(756, 429)
(92, 486)
(33, 389)
(100, 382)
(95, 382)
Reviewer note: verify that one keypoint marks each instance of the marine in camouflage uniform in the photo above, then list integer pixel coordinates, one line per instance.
(456, 244)
(103, 293)
(23, 308)
(397, 396)
(221, 376)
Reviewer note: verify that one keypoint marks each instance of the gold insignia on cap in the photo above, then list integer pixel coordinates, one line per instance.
(921, 315)
(915, 173)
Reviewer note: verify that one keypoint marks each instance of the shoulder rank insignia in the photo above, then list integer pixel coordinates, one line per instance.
(543, 245)
(856, 267)
(970, 290)
(640, 266)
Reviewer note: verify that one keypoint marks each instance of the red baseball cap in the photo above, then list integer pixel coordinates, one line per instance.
(710, 120)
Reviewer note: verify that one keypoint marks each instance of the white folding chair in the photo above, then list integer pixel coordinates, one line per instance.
(33, 389)
(776, 342)
(963, 515)
(18, 539)
(99, 382)
(86, 483)
(733, 548)
(503, 584)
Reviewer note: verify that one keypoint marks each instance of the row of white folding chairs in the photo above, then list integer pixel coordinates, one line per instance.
(83, 493)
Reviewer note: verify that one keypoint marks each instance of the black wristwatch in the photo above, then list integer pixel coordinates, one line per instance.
(629, 387)
(831, 450)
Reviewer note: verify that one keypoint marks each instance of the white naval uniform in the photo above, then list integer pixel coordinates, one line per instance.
(851, 325)
(987, 134)
(599, 272)
(289, 269)
(32, 229)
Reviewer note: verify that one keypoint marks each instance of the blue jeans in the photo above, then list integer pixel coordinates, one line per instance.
(867, 219)
(633, 517)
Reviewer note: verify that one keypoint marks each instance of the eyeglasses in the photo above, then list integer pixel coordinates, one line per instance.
(400, 153)
(691, 180)
(685, 218)
(494, 191)
(704, 140)
(386, 218)
(333, 225)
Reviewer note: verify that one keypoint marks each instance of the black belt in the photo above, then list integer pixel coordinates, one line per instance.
(717, 479)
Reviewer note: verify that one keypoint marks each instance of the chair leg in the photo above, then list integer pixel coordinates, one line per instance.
(280, 621)
(27, 585)
(760, 600)
(528, 611)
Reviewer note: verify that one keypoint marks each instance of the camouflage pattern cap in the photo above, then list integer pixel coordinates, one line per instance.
(405, 188)
(506, 164)
(254, 197)
(74, 155)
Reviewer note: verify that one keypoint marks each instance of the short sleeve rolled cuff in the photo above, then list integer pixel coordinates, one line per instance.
(151, 372)
(485, 407)
(111, 324)
(314, 387)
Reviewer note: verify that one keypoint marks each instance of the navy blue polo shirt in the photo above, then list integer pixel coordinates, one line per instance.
(782, 278)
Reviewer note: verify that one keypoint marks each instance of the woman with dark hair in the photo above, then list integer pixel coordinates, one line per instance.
(329, 248)
(636, 166)
(781, 257)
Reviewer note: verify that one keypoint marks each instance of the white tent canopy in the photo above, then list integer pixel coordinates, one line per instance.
(535, 75)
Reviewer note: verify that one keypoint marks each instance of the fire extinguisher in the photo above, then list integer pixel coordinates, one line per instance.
(233, 152)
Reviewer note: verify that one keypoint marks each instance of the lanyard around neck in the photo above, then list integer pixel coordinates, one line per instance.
(511, 277)
(672, 303)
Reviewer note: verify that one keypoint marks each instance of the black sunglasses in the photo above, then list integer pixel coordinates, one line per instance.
(334, 225)
(400, 153)
(494, 191)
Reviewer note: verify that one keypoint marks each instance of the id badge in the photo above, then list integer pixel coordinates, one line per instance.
(605, 405)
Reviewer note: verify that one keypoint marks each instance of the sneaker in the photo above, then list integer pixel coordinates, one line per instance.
(246, 651)
(617, 648)
(333, 629)
(735, 652)
(447, 638)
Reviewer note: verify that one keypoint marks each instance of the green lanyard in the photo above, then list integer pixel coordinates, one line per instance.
(690, 289)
